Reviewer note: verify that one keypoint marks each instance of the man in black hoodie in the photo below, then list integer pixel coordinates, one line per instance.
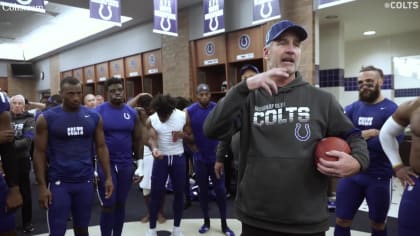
(24, 125)
(10, 197)
(281, 191)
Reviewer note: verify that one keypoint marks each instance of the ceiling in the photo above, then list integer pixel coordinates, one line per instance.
(356, 17)
(362, 15)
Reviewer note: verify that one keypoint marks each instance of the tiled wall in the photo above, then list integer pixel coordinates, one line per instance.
(335, 78)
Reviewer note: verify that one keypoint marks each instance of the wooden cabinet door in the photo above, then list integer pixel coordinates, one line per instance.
(116, 68)
(245, 44)
(133, 66)
(152, 62)
(102, 71)
(211, 51)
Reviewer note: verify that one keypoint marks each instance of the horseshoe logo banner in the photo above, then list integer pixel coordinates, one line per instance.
(266, 10)
(213, 17)
(165, 17)
(107, 10)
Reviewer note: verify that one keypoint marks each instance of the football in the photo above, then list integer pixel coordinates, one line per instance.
(329, 144)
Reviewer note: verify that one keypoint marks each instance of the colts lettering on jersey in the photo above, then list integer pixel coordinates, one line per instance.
(365, 121)
(272, 114)
(75, 131)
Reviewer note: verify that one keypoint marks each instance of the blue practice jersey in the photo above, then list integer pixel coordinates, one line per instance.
(372, 116)
(70, 144)
(119, 126)
(207, 147)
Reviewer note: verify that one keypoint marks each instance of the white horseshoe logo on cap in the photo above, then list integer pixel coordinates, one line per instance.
(101, 12)
(24, 2)
(215, 26)
(270, 9)
(165, 4)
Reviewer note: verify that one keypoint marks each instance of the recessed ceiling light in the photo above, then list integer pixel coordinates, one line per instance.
(369, 32)
(331, 17)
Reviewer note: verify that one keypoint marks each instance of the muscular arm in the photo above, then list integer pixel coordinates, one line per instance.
(188, 135)
(40, 161)
(138, 139)
(103, 156)
(134, 100)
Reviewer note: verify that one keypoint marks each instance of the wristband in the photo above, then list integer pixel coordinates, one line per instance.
(139, 170)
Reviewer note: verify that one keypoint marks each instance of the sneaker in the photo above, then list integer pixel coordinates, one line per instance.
(228, 232)
(177, 231)
(151, 232)
(331, 204)
(28, 228)
(203, 229)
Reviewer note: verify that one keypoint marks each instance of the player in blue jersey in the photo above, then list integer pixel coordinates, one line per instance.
(10, 197)
(407, 114)
(68, 133)
(123, 136)
(167, 128)
(205, 158)
(368, 114)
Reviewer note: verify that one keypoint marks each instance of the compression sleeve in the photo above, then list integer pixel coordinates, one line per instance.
(388, 137)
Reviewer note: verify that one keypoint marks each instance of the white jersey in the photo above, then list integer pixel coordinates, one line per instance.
(145, 183)
(176, 122)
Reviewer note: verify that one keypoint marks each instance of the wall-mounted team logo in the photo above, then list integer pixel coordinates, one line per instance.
(210, 48)
(117, 67)
(152, 60)
(101, 71)
(89, 72)
(244, 41)
(133, 64)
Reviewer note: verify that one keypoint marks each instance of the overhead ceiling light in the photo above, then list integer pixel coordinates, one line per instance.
(369, 32)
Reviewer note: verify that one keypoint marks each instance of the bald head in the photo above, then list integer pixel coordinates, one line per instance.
(89, 101)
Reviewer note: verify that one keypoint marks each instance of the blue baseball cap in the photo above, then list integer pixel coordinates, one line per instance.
(282, 26)
(248, 67)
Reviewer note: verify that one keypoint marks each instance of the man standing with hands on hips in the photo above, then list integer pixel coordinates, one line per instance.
(280, 189)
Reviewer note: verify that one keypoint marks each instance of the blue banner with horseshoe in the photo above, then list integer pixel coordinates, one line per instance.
(266, 10)
(107, 10)
(28, 5)
(214, 21)
(165, 17)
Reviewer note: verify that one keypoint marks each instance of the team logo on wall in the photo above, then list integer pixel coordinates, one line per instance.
(210, 48)
(117, 67)
(244, 41)
(101, 71)
(133, 64)
(89, 72)
(152, 60)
